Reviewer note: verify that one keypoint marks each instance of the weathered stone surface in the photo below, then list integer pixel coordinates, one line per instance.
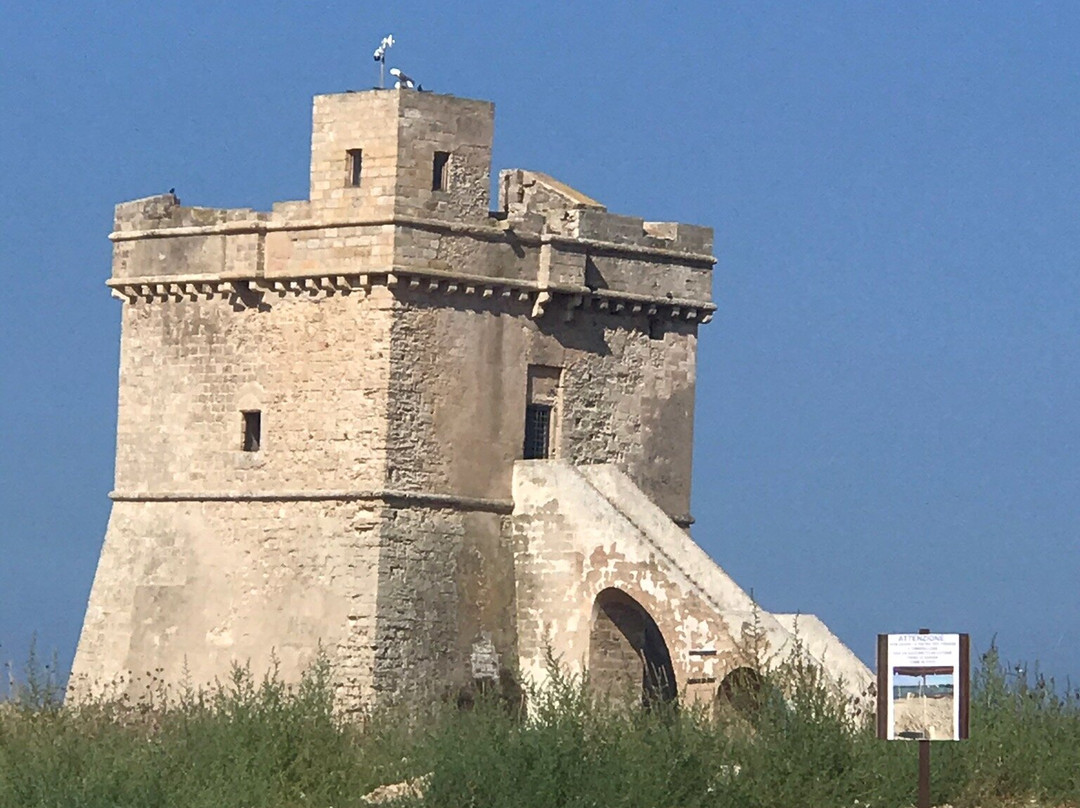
(321, 408)
(583, 531)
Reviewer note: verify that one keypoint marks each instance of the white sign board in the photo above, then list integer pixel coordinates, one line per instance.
(925, 680)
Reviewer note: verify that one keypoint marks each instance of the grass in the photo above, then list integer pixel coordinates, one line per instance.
(262, 743)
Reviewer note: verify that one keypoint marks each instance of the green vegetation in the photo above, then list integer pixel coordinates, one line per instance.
(263, 744)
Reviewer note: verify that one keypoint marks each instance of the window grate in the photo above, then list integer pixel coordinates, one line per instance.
(537, 432)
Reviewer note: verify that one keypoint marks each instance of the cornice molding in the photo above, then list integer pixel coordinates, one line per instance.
(538, 296)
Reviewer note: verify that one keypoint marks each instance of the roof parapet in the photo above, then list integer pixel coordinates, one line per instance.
(535, 201)
(165, 211)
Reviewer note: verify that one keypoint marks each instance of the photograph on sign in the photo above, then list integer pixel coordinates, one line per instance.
(923, 703)
(923, 683)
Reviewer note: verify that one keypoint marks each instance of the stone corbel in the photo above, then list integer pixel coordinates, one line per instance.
(573, 303)
(542, 298)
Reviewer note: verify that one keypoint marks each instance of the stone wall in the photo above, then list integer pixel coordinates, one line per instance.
(366, 395)
(629, 400)
(444, 586)
(185, 589)
(459, 380)
(365, 121)
(317, 368)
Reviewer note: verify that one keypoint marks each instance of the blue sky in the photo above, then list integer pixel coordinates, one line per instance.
(887, 430)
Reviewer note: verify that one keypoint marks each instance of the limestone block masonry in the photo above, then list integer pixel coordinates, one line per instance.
(325, 412)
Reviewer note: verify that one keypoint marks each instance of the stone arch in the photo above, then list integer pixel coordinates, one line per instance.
(627, 652)
(743, 689)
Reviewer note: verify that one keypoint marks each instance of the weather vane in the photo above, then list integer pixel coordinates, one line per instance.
(380, 57)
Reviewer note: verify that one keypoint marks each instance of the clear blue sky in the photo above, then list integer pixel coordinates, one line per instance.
(887, 426)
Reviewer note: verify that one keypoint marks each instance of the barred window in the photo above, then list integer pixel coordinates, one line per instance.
(537, 431)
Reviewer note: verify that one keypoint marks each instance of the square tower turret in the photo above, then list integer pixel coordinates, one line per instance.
(384, 152)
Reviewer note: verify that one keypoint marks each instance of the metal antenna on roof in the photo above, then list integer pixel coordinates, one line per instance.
(401, 80)
(380, 57)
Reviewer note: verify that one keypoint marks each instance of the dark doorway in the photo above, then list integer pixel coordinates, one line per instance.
(743, 689)
(627, 652)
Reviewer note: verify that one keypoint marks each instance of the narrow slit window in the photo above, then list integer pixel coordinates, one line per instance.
(440, 171)
(356, 166)
(252, 430)
(537, 431)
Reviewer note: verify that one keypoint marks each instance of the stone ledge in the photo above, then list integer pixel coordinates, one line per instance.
(388, 496)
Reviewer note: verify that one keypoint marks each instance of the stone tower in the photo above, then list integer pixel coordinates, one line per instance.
(336, 418)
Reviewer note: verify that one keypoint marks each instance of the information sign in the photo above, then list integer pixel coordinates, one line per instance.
(923, 687)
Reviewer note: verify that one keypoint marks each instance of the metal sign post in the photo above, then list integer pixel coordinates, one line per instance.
(923, 693)
(924, 774)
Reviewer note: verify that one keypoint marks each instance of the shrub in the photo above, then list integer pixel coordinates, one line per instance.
(260, 742)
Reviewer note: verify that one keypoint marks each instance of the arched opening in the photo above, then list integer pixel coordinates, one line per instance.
(743, 690)
(627, 652)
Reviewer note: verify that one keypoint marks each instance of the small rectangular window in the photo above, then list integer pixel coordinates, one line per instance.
(656, 328)
(252, 430)
(356, 166)
(537, 431)
(439, 171)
